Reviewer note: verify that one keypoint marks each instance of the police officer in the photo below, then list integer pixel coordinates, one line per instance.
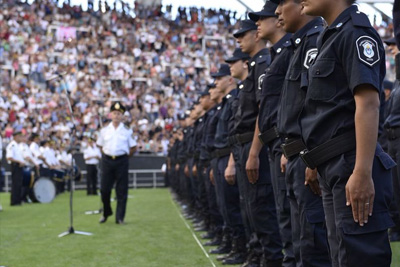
(339, 125)
(92, 156)
(265, 243)
(15, 157)
(238, 65)
(117, 144)
(207, 137)
(392, 134)
(227, 194)
(29, 168)
(308, 231)
(270, 29)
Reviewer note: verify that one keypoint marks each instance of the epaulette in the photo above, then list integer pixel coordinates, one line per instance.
(261, 59)
(315, 30)
(360, 19)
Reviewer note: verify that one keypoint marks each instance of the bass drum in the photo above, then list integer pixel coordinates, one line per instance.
(43, 191)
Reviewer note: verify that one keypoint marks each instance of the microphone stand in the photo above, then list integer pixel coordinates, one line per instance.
(71, 229)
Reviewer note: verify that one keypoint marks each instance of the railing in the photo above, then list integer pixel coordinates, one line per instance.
(137, 178)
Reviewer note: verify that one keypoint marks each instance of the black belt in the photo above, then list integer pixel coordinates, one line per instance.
(231, 140)
(268, 136)
(328, 150)
(219, 153)
(196, 155)
(115, 157)
(393, 133)
(292, 147)
(244, 138)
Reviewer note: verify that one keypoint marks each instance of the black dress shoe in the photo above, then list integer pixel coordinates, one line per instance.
(214, 242)
(208, 235)
(220, 250)
(120, 222)
(103, 219)
(233, 259)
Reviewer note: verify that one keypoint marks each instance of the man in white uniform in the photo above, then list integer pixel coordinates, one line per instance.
(117, 144)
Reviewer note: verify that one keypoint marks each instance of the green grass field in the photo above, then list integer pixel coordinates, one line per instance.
(154, 234)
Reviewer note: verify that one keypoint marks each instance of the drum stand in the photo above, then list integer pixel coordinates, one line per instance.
(71, 229)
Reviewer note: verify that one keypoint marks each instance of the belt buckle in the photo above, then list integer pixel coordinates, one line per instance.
(113, 157)
(276, 131)
(304, 156)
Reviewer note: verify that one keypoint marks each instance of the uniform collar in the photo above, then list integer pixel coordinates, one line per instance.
(343, 17)
(260, 53)
(277, 48)
(298, 37)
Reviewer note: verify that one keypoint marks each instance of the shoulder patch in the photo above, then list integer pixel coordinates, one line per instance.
(310, 57)
(260, 81)
(367, 49)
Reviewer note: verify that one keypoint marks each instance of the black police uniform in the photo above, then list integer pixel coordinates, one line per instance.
(259, 197)
(392, 133)
(205, 158)
(281, 53)
(309, 233)
(350, 54)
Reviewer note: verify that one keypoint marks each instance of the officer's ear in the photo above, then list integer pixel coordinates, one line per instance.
(245, 64)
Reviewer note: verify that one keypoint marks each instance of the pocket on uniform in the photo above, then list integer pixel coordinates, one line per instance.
(379, 221)
(320, 74)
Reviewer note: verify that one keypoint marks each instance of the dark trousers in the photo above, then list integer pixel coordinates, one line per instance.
(260, 203)
(91, 179)
(283, 209)
(230, 200)
(202, 193)
(394, 152)
(215, 215)
(115, 171)
(16, 184)
(350, 244)
(308, 230)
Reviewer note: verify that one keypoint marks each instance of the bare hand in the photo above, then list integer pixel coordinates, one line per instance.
(194, 170)
(252, 166)
(230, 173)
(283, 163)
(177, 167)
(186, 170)
(312, 181)
(360, 194)
(212, 180)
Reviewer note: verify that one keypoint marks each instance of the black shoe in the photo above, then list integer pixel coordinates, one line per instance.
(200, 229)
(213, 242)
(253, 260)
(103, 219)
(223, 257)
(220, 250)
(237, 258)
(119, 222)
(208, 235)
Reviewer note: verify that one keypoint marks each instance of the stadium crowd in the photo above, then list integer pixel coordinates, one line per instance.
(154, 64)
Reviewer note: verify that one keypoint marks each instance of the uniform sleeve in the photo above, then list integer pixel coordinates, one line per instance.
(132, 141)
(100, 139)
(259, 79)
(363, 59)
(10, 151)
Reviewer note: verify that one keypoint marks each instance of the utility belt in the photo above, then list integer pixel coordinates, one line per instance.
(241, 138)
(268, 136)
(328, 150)
(292, 147)
(393, 133)
(219, 153)
(115, 157)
